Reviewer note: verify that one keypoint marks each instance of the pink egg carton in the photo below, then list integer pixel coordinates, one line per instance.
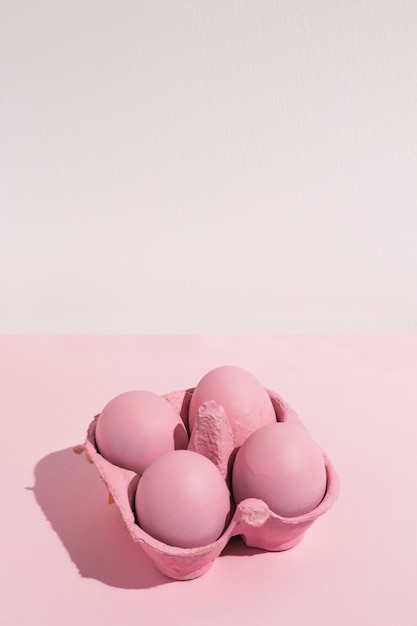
(252, 518)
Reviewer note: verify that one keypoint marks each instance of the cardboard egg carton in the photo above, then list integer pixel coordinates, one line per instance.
(252, 519)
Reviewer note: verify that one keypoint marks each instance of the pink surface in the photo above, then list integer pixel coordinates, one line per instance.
(66, 556)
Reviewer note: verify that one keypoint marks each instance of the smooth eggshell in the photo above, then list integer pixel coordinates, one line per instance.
(246, 403)
(182, 500)
(283, 466)
(136, 427)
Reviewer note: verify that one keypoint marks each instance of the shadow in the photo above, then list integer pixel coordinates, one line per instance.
(185, 407)
(75, 501)
(237, 547)
(180, 437)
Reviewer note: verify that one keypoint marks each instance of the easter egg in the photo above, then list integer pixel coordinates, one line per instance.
(245, 401)
(283, 466)
(136, 427)
(182, 500)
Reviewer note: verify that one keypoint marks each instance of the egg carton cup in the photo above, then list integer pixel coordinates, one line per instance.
(252, 519)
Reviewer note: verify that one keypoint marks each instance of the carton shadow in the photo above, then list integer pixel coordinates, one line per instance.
(75, 501)
(237, 547)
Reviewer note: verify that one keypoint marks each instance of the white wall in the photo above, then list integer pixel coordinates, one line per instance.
(208, 166)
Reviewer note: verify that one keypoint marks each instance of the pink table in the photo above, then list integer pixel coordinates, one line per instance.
(66, 557)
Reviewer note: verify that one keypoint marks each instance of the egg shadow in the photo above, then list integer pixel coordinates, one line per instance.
(75, 501)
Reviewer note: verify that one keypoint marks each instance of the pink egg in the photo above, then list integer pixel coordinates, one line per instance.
(246, 403)
(136, 427)
(283, 466)
(182, 500)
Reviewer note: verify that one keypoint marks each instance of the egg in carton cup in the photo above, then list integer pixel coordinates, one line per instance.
(215, 438)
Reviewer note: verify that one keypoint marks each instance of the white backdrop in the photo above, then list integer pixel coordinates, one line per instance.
(208, 166)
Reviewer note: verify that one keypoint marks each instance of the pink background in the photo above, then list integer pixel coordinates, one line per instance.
(66, 558)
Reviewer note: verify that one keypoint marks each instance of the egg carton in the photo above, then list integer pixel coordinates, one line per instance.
(252, 519)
